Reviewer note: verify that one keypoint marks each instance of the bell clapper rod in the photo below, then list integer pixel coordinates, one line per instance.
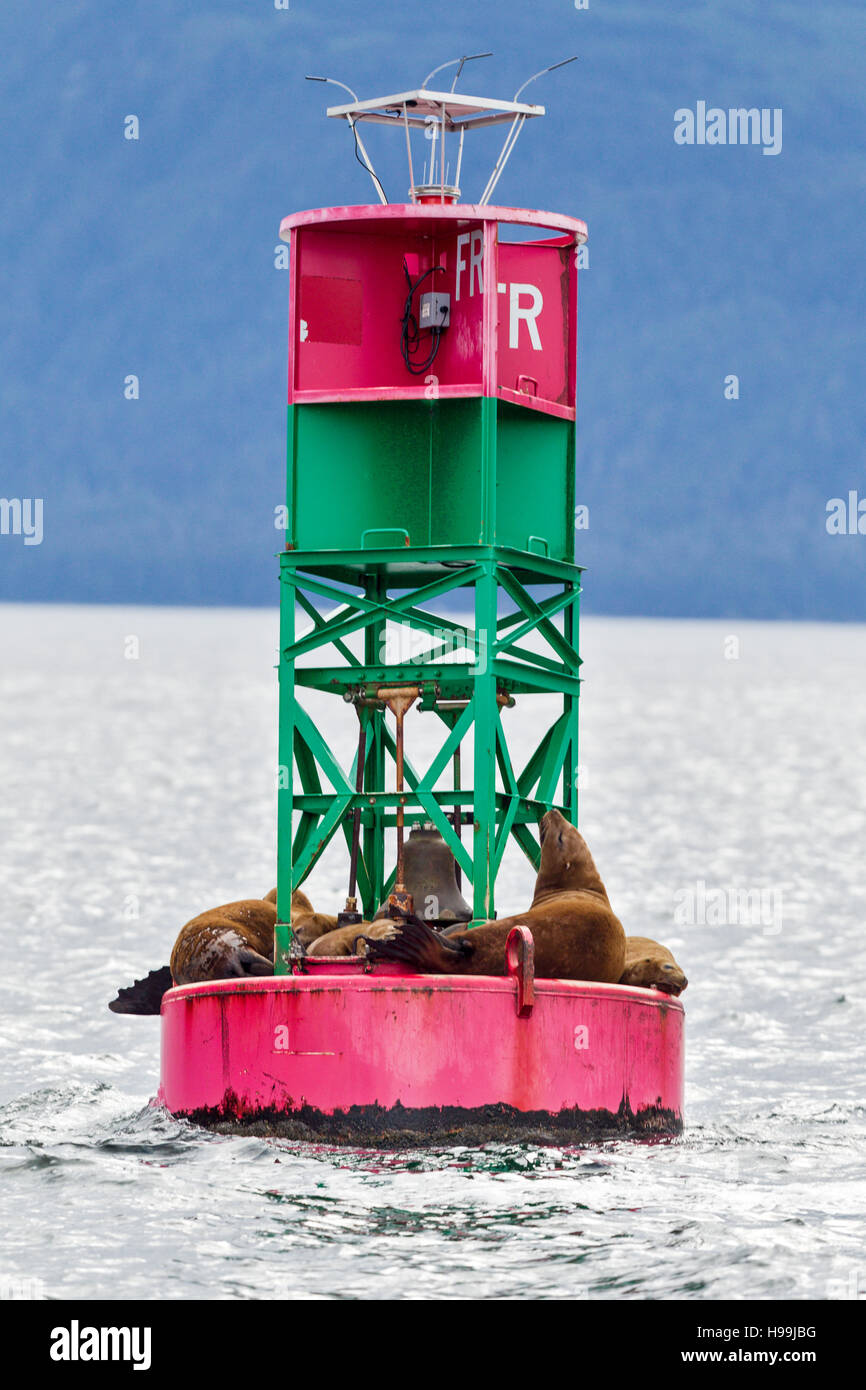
(514, 130)
(351, 909)
(353, 127)
(399, 699)
(350, 913)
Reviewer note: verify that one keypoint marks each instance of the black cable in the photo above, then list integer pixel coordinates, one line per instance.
(410, 333)
(371, 172)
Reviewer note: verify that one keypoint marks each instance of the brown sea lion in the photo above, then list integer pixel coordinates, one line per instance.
(226, 943)
(576, 934)
(222, 944)
(652, 966)
(307, 924)
(350, 941)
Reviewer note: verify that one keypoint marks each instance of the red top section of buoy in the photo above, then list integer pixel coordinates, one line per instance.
(508, 275)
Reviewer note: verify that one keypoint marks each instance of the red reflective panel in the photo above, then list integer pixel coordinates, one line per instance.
(331, 309)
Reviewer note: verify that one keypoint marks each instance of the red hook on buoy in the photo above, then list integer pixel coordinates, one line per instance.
(520, 963)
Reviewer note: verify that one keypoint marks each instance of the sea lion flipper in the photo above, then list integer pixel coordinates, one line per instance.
(650, 965)
(415, 943)
(145, 996)
(251, 963)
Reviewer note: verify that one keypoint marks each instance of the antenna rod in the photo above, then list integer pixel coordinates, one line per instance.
(467, 58)
(515, 129)
(552, 68)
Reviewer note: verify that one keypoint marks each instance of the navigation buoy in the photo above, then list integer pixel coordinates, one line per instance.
(431, 458)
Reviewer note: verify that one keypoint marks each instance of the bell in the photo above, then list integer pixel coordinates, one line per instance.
(429, 872)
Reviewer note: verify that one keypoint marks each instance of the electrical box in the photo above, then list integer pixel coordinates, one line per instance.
(434, 310)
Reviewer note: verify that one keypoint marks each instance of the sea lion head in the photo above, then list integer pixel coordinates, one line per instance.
(652, 973)
(566, 864)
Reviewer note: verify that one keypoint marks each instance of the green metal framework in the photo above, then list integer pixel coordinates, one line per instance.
(370, 589)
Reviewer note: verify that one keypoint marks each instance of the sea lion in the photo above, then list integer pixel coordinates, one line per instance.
(651, 966)
(226, 943)
(307, 924)
(576, 934)
(222, 944)
(352, 940)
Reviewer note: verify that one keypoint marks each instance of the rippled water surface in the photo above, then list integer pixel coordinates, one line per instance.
(137, 791)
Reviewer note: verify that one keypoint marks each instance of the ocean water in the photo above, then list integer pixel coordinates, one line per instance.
(724, 799)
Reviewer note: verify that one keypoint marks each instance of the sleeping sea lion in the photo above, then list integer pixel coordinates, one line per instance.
(222, 944)
(352, 940)
(576, 934)
(226, 943)
(307, 924)
(652, 966)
